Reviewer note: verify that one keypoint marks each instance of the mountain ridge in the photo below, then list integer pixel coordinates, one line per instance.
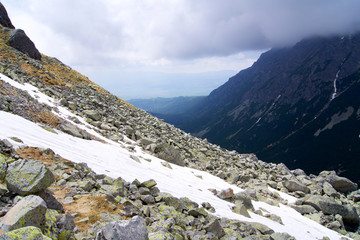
(283, 92)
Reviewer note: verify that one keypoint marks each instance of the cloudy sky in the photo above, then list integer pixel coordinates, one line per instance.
(166, 48)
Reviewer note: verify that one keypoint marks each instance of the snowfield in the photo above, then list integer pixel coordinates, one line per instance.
(114, 159)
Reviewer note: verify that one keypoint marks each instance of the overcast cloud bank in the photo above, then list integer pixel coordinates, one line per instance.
(165, 36)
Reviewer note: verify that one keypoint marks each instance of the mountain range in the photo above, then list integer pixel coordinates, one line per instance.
(298, 105)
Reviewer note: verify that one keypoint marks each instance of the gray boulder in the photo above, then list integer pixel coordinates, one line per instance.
(169, 154)
(92, 114)
(29, 211)
(4, 18)
(215, 227)
(294, 186)
(20, 41)
(341, 184)
(329, 206)
(124, 230)
(26, 177)
(51, 201)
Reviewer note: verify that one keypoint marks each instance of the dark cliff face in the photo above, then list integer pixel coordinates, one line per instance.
(4, 18)
(299, 105)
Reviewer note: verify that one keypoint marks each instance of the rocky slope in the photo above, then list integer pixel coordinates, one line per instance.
(46, 196)
(297, 105)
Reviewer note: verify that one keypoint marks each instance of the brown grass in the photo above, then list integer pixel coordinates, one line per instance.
(91, 207)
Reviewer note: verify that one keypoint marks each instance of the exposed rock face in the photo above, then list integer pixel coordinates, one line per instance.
(126, 230)
(28, 176)
(286, 100)
(23, 43)
(30, 211)
(4, 18)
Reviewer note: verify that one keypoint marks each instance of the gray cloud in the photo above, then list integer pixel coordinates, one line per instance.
(228, 26)
(108, 31)
(118, 42)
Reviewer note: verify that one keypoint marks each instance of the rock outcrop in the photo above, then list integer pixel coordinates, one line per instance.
(20, 41)
(4, 18)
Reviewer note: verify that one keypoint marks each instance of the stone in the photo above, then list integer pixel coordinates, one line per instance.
(25, 233)
(50, 229)
(262, 228)
(92, 114)
(294, 186)
(304, 209)
(226, 193)
(20, 41)
(71, 129)
(341, 184)
(87, 185)
(148, 199)
(29, 211)
(124, 230)
(169, 154)
(215, 227)
(281, 236)
(240, 208)
(148, 184)
(330, 190)
(196, 212)
(147, 141)
(51, 201)
(245, 198)
(3, 165)
(26, 177)
(4, 18)
(329, 206)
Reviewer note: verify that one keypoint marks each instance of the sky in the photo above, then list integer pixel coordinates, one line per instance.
(168, 48)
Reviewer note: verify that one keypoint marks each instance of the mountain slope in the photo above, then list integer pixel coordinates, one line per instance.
(296, 105)
(192, 189)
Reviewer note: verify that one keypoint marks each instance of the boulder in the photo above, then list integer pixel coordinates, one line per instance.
(4, 18)
(25, 233)
(29, 211)
(26, 177)
(294, 186)
(169, 154)
(148, 184)
(92, 114)
(125, 230)
(329, 206)
(215, 227)
(281, 236)
(341, 184)
(51, 201)
(20, 41)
